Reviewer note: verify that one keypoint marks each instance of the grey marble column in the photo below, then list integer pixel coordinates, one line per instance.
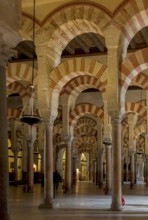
(116, 163)
(74, 166)
(15, 167)
(108, 170)
(100, 168)
(30, 178)
(68, 164)
(132, 170)
(127, 171)
(94, 171)
(146, 170)
(48, 169)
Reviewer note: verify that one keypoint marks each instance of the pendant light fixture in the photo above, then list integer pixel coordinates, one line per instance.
(30, 113)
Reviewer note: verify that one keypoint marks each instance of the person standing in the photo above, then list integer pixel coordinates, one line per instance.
(56, 179)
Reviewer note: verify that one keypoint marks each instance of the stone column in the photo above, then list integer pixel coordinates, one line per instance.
(68, 163)
(146, 172)
(146, 144)
(30, 136)
(97, 167)
(14, 149)
(74, 163)
(99, 177)
(30, 173)
(24, 161)
(15, 167)
(94, 171)
(41, 143)
(4, 198)
(108, 169)
(74, 166)
(131, 122)
(132, 164)
(127, 171)
(48, 169)
(116, 163)
(5, 53)
(42, 167)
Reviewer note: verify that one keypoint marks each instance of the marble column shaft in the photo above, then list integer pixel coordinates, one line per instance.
(30, 182)
(48, 170)
(74, 166)
(15, 166)
(146, 175)
(108, 170)
(4, 195)
(100, 156)
(68, 166)
(132, 164)
(116, 164)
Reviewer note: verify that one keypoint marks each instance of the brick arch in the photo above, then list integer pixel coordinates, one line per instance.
(81, 110)
(141, 81)
(86, 139)
(85, 130)
(76, 19)
(17, 87)
(79, 84)
(13, 113)
(137, 108)
(86, 82)
(70, 69)
(132, 17)
(83, 121)
(139, 130)
(20, 71)
(130, 68)
(26, 27)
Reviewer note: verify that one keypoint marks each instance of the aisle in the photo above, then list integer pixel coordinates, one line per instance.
(85, 201)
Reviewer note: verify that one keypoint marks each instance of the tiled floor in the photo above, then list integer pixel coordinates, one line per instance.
(86, 201)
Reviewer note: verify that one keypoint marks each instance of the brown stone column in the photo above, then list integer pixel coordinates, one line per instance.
(97, 179)
(74, 166)
(99, 155)
(127, 172)
(108, 169)
(116, 163)
(15, 167)
(30, 173)
(146, 170)
(42, 167)
(100, 168)
(14, 149)
(68, 164)
(48, 169)
(4, 178)
(94, 171)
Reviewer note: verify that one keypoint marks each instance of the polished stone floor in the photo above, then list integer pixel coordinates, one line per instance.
(85, 201)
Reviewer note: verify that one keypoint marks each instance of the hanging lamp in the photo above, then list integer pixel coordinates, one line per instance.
(30, 113)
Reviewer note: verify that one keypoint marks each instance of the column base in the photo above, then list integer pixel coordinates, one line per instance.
(46, 205)
(115, 207)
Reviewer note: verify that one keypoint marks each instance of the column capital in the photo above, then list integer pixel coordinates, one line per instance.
(67, 138)
(132, 151)
(107, 141)
(49, 121)
(116, 117)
